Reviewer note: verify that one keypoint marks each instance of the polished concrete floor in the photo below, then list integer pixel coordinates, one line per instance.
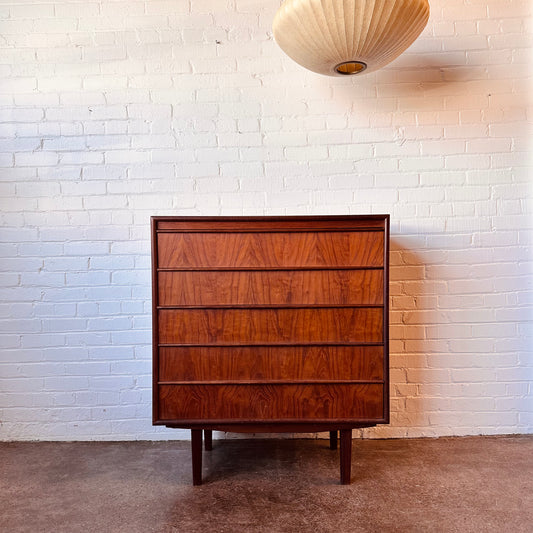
(474, 484)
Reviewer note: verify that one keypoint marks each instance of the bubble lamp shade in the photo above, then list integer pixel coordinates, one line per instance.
(344, 37)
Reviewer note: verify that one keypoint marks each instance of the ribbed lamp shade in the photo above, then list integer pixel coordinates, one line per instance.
(342, 37)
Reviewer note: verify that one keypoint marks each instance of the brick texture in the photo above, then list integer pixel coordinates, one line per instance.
(112, 111)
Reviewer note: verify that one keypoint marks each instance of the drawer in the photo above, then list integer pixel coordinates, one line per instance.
(276, 326)
(270, 250)
(304, 287)
(212, 403)
(297, 363)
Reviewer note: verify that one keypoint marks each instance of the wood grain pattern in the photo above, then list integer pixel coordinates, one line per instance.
(271, 223)
(285, 287)
(256, 326)
(270, 250)
(196, 450)
(270, 402)
(346, 456)
(266, 324)
(240, 363)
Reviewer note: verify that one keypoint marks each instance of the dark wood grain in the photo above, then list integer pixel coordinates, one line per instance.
(218, 224)
(155, 323)
(256, 326)
(270, 324)
(270, 402)
(208, 440)
(241, 363)
(346, 456)
(196, 450)
(262, 426)
(274, 250)
(333, 438)
(285, 287)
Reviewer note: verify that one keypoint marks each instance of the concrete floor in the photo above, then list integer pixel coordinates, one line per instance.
(474, 484)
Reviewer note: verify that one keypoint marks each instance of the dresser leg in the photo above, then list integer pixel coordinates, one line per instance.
(196, 447)
(208, 440)
(346, 456)
(333, 440)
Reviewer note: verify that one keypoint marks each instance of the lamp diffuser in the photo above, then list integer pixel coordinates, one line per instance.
(343, 37)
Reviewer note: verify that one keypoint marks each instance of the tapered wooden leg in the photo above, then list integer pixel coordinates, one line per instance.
(333, 440)
(196, 447)
(346, 456)
(208, 440)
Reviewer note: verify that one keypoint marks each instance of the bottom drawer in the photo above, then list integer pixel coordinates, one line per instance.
(270, 402)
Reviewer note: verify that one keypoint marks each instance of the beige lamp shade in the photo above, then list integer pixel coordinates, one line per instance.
(343, 37)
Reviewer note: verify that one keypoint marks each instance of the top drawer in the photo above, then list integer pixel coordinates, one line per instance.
(270, 250)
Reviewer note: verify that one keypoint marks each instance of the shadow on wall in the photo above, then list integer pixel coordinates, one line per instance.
(417, 75)
(410, 309)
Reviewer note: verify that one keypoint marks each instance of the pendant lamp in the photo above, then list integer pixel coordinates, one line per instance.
(347, 37)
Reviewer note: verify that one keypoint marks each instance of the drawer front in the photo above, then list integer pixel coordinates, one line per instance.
(260, 363)
(265, 320)
(212, 403)
(270, 250)
(301, 287)
(278, 326)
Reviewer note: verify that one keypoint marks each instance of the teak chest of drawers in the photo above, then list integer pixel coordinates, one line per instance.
(270, 324)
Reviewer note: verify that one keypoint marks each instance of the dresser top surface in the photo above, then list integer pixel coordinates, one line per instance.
(270, 223)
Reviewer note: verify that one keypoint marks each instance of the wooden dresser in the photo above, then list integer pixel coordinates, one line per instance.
(270, 324)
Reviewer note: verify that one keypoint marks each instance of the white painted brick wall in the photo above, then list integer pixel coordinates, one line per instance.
(112, 111)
